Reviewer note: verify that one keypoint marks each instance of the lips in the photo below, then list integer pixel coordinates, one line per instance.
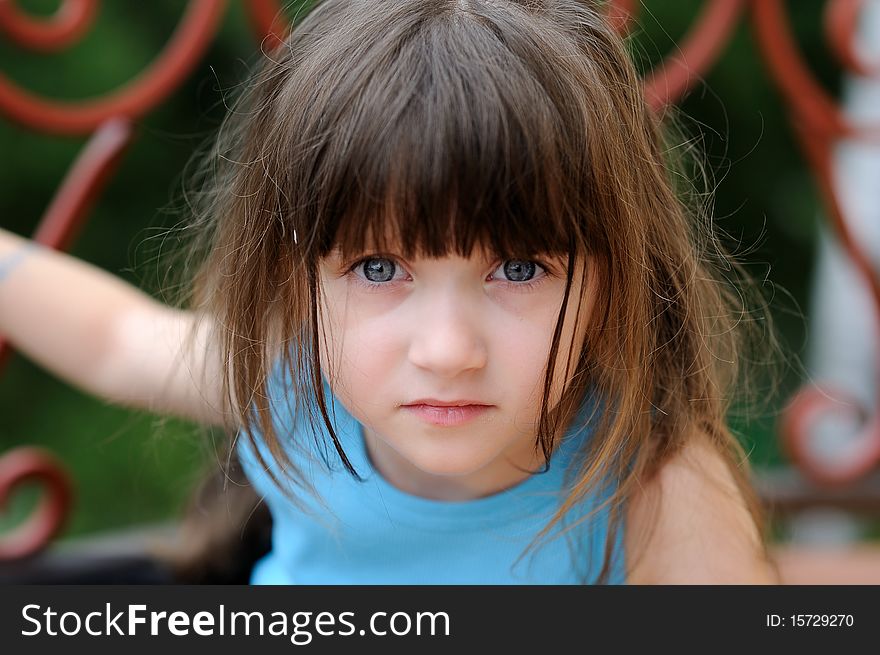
(434, 402)
(448, 415)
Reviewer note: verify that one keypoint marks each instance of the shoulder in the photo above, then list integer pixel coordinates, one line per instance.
(689, 524)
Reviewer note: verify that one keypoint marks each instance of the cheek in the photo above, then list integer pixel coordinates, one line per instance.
(520, 348)
(354, 345)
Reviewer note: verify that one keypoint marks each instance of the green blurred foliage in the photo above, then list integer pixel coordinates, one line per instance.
(130, 467)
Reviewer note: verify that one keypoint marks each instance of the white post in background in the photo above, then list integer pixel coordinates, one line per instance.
(842, 342)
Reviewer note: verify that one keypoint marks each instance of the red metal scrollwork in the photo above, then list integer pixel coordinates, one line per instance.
(819, 123)
(64, 28)
(841, 20)
(701, 47)
(189, 41)
(34, 465)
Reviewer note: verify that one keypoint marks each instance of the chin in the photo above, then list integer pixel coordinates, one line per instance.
(451, 464)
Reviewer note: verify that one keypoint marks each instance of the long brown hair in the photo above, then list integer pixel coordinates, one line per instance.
(441, 125)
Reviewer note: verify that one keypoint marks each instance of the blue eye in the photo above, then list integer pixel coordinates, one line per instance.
(518, 270)
(380, 268)
(378, 271)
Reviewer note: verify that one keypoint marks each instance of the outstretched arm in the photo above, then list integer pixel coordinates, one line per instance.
(105, 336)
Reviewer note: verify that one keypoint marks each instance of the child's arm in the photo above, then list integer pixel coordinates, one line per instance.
(703, 532)
(105, 336)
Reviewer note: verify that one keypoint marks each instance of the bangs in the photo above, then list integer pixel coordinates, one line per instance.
(438, 138)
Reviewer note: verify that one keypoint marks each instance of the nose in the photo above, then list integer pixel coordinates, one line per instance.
(447, 339)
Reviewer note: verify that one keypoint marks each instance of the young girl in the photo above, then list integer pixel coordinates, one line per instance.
(449, 296)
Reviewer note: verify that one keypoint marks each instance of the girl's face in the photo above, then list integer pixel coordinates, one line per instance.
(478, 329)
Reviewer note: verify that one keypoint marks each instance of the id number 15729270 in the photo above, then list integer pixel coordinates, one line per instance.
(810, 621)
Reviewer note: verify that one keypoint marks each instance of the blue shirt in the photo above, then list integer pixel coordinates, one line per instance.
(374, 533)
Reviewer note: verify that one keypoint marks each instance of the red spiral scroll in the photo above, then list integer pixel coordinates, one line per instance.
(133, 100)
(64, 28)
(26, 465)
(841, 22)
(702, 45)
